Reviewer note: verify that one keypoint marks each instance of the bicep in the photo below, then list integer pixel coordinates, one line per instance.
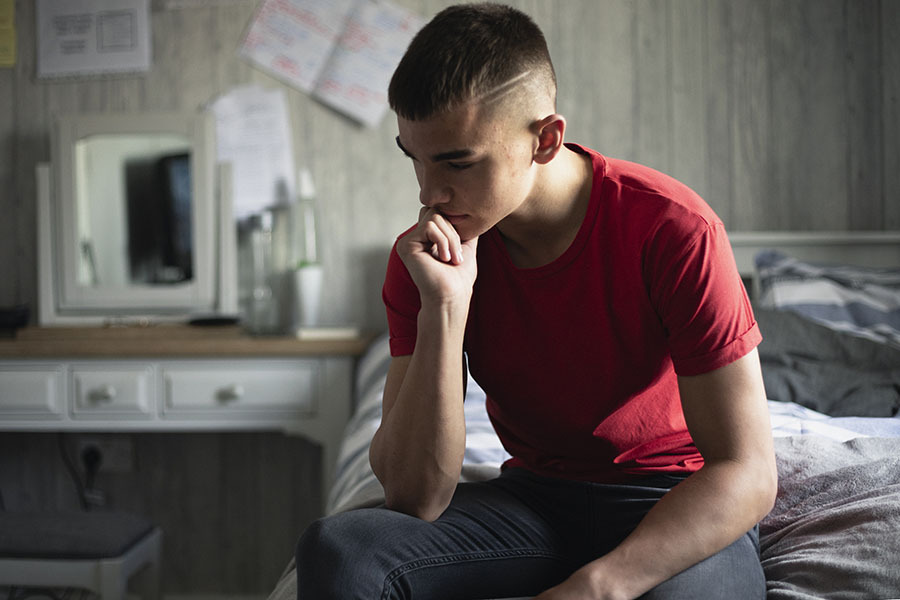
(726, 411)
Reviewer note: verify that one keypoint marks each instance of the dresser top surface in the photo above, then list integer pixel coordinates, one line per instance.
(169, 340)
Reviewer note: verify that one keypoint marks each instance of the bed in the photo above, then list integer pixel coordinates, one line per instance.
(831, 363)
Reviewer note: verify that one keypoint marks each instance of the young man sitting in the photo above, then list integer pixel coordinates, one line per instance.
(597, 303)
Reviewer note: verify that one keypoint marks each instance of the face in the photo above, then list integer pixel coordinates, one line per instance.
(473, 167)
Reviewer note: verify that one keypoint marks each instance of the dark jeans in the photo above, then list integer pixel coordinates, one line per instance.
(516, 535)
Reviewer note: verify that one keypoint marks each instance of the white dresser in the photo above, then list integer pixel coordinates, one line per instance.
(177, 378)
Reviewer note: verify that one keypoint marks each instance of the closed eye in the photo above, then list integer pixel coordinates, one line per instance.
(459, 166)
(403, 150)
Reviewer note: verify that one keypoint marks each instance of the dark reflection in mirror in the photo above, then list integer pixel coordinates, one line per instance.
(159, 219)
(135, 210)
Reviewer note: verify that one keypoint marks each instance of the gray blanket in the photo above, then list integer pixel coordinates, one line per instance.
(830, 371)
(835, 528)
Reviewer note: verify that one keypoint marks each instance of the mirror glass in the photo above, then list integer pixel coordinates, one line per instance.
(135, 225)
(133, 201)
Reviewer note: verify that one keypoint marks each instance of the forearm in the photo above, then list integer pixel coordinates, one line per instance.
(701, 516)
(418, 449)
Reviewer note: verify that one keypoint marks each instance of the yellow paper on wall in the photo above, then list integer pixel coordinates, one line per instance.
(7, 33)
(7, 14)
(7, 47)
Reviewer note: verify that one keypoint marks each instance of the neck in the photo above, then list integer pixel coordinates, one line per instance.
(547, 223)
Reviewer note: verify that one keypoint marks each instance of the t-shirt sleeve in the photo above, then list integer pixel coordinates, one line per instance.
(402, 303)
(702, 302)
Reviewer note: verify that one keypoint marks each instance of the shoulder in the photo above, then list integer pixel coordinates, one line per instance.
(665, 194)
(643, 194)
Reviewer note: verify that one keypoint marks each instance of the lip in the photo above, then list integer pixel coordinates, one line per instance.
(454, 219)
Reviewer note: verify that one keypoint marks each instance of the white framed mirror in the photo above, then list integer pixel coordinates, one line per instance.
(130, 222)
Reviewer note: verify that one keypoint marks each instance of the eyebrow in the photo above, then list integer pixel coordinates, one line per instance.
(441, 156)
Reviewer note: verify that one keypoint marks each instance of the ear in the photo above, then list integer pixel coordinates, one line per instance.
(549, 133)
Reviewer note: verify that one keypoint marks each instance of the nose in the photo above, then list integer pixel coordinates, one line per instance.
(432, 191)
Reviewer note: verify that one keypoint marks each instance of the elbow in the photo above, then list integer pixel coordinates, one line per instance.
(421, 491)
(762, 481)
(423, 502)
(769, 493)
(426, 502)
(425, 509)
(752, 489)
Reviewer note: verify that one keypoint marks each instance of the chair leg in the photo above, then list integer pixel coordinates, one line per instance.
(113, 582)
(147, 580)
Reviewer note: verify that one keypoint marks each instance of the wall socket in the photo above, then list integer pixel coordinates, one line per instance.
(117, 453)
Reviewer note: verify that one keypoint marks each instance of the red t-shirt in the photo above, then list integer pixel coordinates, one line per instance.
(579, 357)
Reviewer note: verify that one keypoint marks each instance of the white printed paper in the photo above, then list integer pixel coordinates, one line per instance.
(253, 133)
(356, 78)
(292, 39)
(90, 37)
(342, 52)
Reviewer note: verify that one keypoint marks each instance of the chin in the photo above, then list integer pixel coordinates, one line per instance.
(468, 231)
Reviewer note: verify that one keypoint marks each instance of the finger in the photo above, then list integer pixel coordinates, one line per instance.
(454, 242)
(435, 229)
(440, 239)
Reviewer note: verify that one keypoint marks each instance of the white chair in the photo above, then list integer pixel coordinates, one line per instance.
(95, 551)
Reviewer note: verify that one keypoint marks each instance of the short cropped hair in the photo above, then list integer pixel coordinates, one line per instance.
(464, 52)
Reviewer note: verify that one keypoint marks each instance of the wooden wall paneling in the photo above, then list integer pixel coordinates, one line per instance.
(809, 134)
(290, 480)
(178, 485)
(790, 164)
(718, 105)
(173, 34)
(195, 56)
(863, 68)
(345, 170)
(231, 506)
(890, 126)
(27, 128)
(653, 87)
(752, 206)
(204, 526)
(160, 491)
(28, 477)
(238, 536)
(175, 496)
(353, 214)
(593, 53)
(575, 95)
(229, 21)
(9, 270)
(688, 152)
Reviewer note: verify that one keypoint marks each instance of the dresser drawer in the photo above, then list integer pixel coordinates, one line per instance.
(113, 390)
(32, 392)
(276, 385)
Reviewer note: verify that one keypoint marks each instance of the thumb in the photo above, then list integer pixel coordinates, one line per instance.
(470, 245)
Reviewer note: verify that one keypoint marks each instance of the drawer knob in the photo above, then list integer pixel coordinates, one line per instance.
(105, 393)
(232, 392)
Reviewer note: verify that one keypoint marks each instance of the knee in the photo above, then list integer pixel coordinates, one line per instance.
(323, 547)
(313, 541)
(334, 554)
(734, 573)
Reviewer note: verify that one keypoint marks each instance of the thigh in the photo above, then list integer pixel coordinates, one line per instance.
(488, 543)
(735, 573)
